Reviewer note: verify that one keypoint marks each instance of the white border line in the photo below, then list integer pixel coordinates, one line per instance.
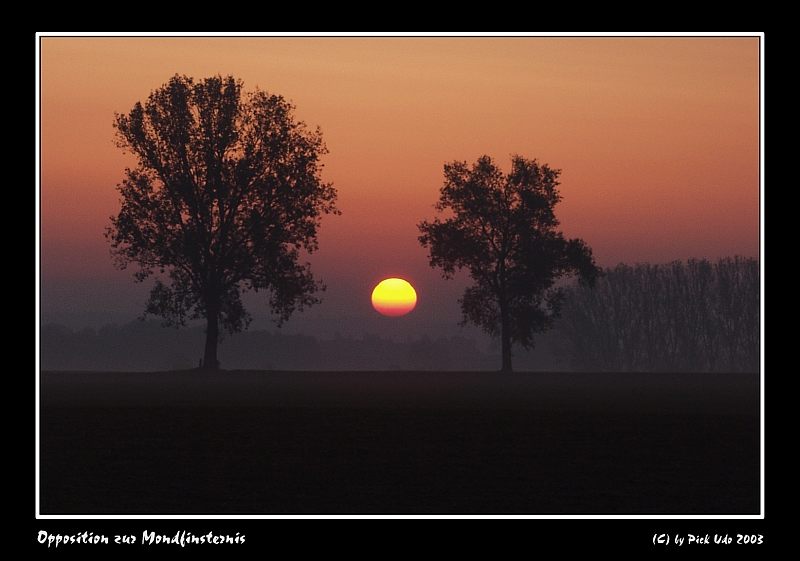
(758, 35)
(761, 244)
(38, 257)
(359, 516)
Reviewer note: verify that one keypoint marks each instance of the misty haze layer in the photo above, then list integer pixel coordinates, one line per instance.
(142, 346)
(697, 316)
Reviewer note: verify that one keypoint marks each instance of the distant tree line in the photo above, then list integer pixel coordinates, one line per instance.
(148, 346)
(693, 316)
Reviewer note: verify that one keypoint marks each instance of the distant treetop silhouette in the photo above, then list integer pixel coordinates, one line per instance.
(503, 230)
(226, 195)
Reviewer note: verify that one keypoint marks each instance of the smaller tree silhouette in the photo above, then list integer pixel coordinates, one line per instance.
(503, 230)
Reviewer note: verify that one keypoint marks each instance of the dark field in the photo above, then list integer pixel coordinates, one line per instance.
(399, 442)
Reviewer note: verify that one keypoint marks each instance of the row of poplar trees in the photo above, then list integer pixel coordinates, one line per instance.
(692, 316)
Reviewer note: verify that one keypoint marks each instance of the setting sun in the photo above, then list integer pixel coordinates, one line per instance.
(394, 297)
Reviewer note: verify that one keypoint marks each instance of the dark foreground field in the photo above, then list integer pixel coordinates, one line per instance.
(399, 442)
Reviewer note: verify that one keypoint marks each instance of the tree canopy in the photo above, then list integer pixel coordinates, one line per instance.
(227, 197)
(503, 230)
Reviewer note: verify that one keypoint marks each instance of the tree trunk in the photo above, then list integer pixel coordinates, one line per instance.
(505, 339)
(210, 361)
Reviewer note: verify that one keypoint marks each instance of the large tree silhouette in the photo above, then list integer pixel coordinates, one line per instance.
(226, 198)
(503, 230)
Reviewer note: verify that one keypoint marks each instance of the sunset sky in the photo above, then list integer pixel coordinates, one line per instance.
(658, 140)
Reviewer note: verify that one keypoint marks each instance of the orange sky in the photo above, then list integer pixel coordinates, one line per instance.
(657, 137)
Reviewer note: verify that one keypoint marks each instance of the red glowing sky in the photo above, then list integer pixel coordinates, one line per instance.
(658, 138)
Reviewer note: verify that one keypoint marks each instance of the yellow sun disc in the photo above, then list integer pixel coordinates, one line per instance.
(394, 297)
